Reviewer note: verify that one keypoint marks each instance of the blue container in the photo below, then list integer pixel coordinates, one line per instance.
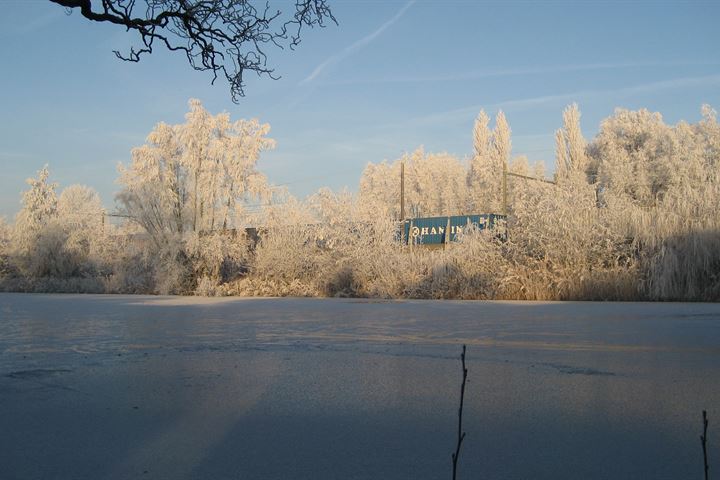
(439, 230)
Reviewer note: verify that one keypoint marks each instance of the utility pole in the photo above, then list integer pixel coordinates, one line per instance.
(504, 189)
(402, 191)
(525, 177)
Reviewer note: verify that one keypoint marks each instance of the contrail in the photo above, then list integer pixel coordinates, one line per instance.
(366, 40)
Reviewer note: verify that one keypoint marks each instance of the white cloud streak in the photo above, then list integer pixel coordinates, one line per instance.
(358, 45)
(509, 72)
(564, 98)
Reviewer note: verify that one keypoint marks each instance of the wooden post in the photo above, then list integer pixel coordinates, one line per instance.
(411, 240)
(402, 191)
(402, 202)
(447, 232)
(504, 188)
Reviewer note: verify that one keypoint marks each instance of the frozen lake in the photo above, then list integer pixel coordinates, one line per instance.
(121, 387)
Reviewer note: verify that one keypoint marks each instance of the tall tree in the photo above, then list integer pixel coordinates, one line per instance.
(500, 158)
(82, 217)
(480, 178)
(435, 184)
(634, 155)
(194, 177)
(39, 207)
(570, 146)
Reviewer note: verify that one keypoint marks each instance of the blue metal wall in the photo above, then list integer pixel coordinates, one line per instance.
(434, 230)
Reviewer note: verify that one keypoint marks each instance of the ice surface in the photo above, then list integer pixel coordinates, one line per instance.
(95, 387)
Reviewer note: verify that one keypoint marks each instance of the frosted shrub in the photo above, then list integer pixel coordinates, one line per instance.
(284, 261)
(469, 269)
(5, 236)
(50, 257)
(172, 269)
(287, 259)
(131, 264)
(208, 287)
(367, 261)
(667, 204)
(562, 247)
(217, 257)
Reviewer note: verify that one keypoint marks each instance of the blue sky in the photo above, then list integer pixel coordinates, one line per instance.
(393, 75)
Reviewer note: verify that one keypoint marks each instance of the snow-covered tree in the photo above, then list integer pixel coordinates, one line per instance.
(570, 147)
(39, 207)
(663, 186)
(187, 188)
(501, 141)
(5, 237)
(500, 156)
(482, 178)
(633, 156)
(194, 176)
(380, 189)
(82, 216)
(435, 184)
(80, 208)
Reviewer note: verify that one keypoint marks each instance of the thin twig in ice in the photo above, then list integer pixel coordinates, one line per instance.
(703, 439)
(461, 434)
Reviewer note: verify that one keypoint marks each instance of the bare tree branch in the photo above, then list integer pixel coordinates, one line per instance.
(703, 439)
(460, 433)
(226, 37)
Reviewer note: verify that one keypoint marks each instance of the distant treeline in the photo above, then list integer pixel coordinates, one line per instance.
(630, 215)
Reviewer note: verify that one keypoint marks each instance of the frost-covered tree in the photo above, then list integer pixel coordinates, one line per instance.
(633, 156)
(380, 189)
(191, 181)
(331, 208)
(194, 177)
(5, 237)
(662, 184)
(520, 165)
(435, 184)
(481, 177)
(58, 237)
(39, 207)
(80, 208)
(500, 156)
(82, 216)
(440, 184)
(570, 145)
(5, 232)
(501, 140)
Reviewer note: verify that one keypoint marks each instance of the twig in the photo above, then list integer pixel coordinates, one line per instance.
(461, 434)
(703, 439)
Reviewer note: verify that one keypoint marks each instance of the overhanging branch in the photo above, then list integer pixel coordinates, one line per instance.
(226, 37)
